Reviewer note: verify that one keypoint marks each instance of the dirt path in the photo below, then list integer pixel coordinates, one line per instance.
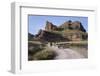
(66, 53)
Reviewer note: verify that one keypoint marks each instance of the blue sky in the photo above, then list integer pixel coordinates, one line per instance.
(37, 22)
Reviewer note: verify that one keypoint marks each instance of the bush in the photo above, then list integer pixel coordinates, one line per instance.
(44, 55)
(33, 48)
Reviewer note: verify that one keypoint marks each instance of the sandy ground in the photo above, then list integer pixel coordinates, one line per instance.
(66, 53)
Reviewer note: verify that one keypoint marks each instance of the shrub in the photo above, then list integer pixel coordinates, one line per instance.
(33, 48)
(44, 55)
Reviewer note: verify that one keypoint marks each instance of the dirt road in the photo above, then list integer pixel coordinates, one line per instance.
(66, 53)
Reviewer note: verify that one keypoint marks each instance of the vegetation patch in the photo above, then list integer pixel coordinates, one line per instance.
(44, 55)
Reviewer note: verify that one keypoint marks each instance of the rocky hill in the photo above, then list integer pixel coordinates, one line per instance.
(68, 31)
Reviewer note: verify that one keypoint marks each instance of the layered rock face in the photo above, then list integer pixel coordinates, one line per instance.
(50, 36)
(74, 30)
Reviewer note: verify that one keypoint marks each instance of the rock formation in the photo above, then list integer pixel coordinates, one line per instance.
(76, 25)
(68, 31)
(49, 26)
(50, 36)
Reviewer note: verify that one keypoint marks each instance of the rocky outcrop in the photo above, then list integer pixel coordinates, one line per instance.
(50, 36)
(49, 26)
(76, 25)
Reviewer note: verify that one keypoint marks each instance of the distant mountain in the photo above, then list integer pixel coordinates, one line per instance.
(30, 36)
